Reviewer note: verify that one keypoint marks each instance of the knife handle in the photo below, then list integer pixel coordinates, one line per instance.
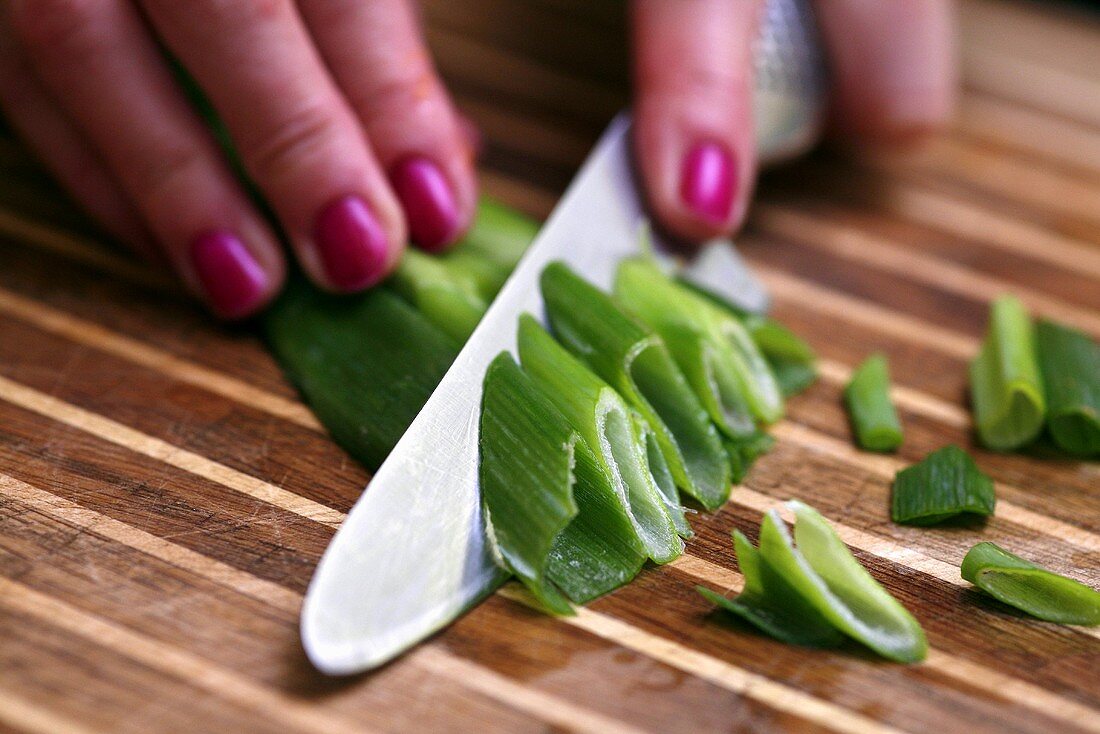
(790, 92)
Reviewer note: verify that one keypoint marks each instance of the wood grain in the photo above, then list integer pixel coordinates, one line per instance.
(164, 496)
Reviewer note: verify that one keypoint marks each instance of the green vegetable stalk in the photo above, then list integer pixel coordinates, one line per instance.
(603, 419)
(366, 364)
(743, 453)
(1070, 365)
(637, 364)
(944, 484)
(646, 437)
(874, 418)
(1041, 593)
(1009, 407)
(550, 509)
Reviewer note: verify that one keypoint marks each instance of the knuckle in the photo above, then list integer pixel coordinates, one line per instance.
(295, 141)
(57, 25)
(236, 12)
(405, 89)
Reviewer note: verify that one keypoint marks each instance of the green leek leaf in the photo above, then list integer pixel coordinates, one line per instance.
(550, 510)
(827, 576)
(874, 418)
(1041, 593)
(719, 358)
(792, 360)
(645, 436)
(603, 419)
(637, 364)
(743, 453)
(366, 364)
(449, 300)
(1070, 365)
(770, 603)
(1004, 379)
(944, 484)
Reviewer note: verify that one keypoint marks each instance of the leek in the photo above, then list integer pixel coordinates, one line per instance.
(769, 602)
(645, 436)
(1041, 593)
(1070, 365)
(719, 358)
(826, 574)
(637, 364)
(550, 510)
(603, 419)
(944, 484)
(366, 364)
(791, 359)
(874, 418)
(448, 300)
(1004, 379)
(743, 453)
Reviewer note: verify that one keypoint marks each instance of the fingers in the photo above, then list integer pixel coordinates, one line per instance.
(294, 131)
(693, 131)
(893, 65)
(379, 61)
(100, 63)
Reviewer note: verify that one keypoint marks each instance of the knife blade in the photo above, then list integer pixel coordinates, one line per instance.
(412, 555)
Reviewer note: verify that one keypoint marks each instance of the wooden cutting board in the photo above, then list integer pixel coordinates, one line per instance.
(164, 496)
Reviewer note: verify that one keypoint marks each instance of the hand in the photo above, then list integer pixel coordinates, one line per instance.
(893, 76)
(333, 105)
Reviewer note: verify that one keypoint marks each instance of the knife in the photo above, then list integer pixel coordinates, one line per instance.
(412, 555)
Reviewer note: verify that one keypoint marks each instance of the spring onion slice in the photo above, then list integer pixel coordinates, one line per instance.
(827, 576)
(1004, 379)
(1041, 593)
(645, 436)
(743, 453)
(550, 510)
(603, 419)
(874, 417)
(1069, 362)
(637, 364)
(712, 347)
(792, 360)
(449, 300)
(770, 603)
(944, 484)
(366, 364)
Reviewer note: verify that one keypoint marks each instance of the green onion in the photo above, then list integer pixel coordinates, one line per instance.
(743, 453)
(603, 419)
(793, 362)
(826, 574)
(944, 484)
(366, 364)
(637, 364)
(550, 510)
(1004, 379)
(770, 603)
(645, 436)
(447, 299)
(873, 415)
(1070, 364)
(1041, 593)
(719, 358)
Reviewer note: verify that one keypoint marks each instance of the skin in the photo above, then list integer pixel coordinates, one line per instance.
(326, 99)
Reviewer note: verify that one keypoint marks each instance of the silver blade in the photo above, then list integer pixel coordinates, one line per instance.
(412, 554)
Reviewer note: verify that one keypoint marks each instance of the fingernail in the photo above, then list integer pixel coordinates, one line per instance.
(232, 279)
(351, 243)
(428, 201)
(708, 181)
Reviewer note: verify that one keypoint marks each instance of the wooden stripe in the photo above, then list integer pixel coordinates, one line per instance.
(92, 334)
(888, 466)
(857, 246)
(979, 224)
(958, 669)
(155, 448)
(170, 660)
(26, 717)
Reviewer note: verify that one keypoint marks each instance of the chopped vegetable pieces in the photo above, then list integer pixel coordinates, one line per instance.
(944, 484)
(769, 602)
(1041, 593)
(793, 362)
(874, 419)
(743, 453)
(1005, 387)
(1070, 365)
(550, 509)
(637, 364)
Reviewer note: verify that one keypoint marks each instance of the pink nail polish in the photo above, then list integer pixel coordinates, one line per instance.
(428, 201)
(351, 243)
(230, 276)
(708, 181)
